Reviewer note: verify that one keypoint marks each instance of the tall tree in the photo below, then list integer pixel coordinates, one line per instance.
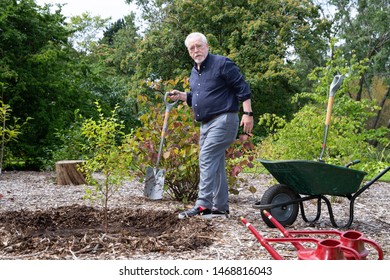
(42, 74)
(113, 64)
(86, 31)
(264, 37)
(364, 26)
(111, 30)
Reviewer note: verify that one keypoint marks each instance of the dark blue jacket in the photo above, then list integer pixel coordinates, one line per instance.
(217, 88)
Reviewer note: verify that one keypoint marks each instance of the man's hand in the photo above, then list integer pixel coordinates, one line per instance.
(247, 122)
(177, 95)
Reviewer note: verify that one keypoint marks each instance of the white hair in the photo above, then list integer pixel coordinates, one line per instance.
(193, 35)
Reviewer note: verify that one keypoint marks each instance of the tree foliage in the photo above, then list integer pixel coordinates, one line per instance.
(51, 68)
(8, 133)
(86, 31)
(262, 37)
(42, 74)
(364, 25)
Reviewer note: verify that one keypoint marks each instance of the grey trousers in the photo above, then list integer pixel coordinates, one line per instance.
(215, 137)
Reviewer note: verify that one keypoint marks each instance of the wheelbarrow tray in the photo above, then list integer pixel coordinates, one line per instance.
(315, 178)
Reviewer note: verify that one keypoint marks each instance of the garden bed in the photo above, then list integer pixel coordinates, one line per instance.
(42, 220)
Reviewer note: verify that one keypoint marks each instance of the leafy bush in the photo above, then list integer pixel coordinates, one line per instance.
(9, 131)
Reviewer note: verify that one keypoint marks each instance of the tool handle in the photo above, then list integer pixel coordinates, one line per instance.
(329, 110)
(262, 240)
(284, 231)
(351, 251)
(337, 81)
(375, 245)
(335, 85)
(169, 105)
(164, 130)
(168, 108)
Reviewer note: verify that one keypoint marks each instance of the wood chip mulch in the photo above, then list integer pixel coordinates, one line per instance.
(42, 220)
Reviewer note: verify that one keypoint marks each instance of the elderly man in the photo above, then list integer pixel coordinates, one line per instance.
(217, 88)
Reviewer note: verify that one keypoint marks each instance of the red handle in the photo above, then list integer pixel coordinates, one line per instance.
(353, 252)
(376, 246)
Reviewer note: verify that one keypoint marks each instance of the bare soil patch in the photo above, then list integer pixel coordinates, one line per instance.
(42, 220)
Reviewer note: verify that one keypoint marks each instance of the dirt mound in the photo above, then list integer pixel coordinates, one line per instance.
(71, 231)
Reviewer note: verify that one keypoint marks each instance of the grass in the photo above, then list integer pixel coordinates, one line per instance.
(385, 178)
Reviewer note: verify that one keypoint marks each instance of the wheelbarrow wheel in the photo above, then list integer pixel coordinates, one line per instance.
(285, 215)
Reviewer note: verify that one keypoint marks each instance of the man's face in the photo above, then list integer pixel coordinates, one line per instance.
(198, 50)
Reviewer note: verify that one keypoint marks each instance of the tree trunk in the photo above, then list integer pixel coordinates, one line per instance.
(68, 172)
(381, 105)
(360, 91)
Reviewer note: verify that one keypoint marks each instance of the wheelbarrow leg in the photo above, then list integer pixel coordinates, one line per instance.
(352, 200)
(318, 212)
(331, 216)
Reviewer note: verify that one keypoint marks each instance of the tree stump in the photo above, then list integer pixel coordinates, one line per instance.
(68, 173)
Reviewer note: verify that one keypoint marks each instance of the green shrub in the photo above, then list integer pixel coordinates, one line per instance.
(9, 132)
(105, 155)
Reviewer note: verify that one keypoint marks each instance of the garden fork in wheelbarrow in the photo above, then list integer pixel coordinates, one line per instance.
(313, 180)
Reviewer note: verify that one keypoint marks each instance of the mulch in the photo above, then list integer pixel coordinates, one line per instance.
(41, 220)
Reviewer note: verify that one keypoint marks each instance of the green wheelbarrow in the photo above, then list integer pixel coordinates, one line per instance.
(300, 180)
